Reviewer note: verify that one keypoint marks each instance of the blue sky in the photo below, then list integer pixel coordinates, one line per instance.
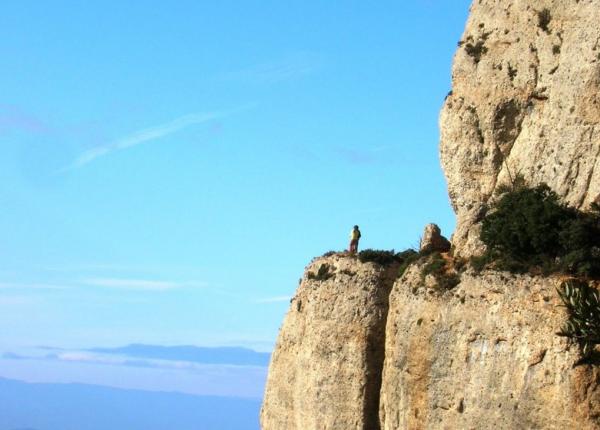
(167, 169)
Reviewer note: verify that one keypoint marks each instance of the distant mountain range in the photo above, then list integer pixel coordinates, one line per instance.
(219, 355)
(25, 406)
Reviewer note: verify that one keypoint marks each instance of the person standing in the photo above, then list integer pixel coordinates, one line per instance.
(354, 238)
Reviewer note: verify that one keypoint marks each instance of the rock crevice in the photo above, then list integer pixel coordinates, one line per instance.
(326, 370)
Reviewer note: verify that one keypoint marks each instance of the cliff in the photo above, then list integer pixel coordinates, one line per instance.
(525, 100)
(325, 372)
(483, 355)
(364, 346)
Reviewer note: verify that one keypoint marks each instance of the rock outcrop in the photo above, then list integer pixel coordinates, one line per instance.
(325, 372)
(525, 100)
(433, 240)
(362, 348)
(483, 355)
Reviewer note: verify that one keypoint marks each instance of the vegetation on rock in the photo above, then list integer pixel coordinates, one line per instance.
(409, 257)
(583, 308)
(386, 258)
(437, 267)
(323, 274)
(544, 19)
(529, 229)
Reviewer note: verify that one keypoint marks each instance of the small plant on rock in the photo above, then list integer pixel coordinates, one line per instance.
(583, 308)
(437, 267)
(407, 258)
(544, 19)
(475, 49)
(323, 274)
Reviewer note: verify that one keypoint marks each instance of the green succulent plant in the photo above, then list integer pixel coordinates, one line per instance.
(583, 307)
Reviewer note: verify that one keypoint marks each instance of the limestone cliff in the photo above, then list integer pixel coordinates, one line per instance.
(325, 372)
(365, 347)
(483, 355)
(525, 100)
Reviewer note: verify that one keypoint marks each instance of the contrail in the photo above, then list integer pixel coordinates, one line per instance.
(150, 134)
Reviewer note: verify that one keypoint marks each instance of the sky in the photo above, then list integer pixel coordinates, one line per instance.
(167, 169)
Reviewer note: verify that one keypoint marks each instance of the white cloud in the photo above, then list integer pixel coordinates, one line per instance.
(124, 360)
(149, 134)
(275, 299)
(139, 284)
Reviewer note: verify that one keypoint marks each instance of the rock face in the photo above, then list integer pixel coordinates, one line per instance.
(433, 240)
(525, 100)
(325, 372)
(358, 350)
(483, 355)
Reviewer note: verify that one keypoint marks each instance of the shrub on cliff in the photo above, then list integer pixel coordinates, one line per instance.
(525, 226)
(583, 310)
(529, 228)
(580, 239)
(385, 258)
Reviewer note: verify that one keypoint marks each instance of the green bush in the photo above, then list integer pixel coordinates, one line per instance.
(385, 258)
(580, 241)
(529, 229)
(526, 224)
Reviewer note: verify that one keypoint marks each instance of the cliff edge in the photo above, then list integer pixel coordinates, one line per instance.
(365, 348)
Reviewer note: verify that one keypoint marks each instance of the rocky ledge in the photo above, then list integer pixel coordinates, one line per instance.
(364, 348)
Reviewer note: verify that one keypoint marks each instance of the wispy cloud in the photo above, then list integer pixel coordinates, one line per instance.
(288, 68)
(139, 284)
(149, 134)
(152, 356)
(275, 299)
